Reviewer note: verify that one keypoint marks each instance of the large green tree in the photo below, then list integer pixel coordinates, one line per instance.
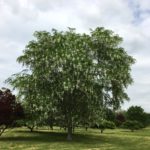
(76, 74)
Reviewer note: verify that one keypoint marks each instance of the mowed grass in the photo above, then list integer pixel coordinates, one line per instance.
(43, 139)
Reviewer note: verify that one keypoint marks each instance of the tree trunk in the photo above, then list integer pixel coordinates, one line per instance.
(69, 136)
(2, 130)
(132, 130)
(51, 127)
(31, 128)
(73, 129)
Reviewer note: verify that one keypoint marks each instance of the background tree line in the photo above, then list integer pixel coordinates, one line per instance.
(15, 114)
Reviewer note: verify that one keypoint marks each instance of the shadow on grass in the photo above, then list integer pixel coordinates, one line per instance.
(47, 137)
(128, 131)
(82, 141)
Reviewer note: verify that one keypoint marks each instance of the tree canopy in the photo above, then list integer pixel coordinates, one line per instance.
(74, 74)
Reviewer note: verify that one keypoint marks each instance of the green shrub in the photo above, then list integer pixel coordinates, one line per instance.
(132, 125)
(106, 125)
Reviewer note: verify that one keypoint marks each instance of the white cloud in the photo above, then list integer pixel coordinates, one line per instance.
(129, 19)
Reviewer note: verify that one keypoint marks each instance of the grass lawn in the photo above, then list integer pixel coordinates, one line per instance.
(118, 139)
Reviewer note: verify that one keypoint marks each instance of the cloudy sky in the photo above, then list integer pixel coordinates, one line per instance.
(128, 18)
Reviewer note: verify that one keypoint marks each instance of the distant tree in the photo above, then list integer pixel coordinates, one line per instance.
(136, 113)
(31, 118)
(50, 120)
(132, 125)
(10, 110)
(147, 119)
(120, 118)
(104, 124)
(109, 114)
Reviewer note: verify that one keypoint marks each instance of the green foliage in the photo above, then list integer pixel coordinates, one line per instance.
(120, 118)
(132, 125)
(109, 114)
(147, 119)
(10, 110)
(75, 74)
(136, 113)
(104, 124)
